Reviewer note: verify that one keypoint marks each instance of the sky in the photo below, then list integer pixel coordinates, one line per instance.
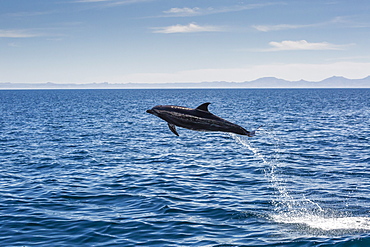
(156, 41)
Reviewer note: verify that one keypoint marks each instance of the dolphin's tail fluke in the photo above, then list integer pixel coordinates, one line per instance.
(253, 133)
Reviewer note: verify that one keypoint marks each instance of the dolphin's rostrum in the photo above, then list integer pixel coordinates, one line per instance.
(199, 119)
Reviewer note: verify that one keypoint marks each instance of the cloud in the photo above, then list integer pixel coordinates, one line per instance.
(341, 20)
(301, 45)
(18, 34)
(289, 45)
(91, 1)
(29, 14)
(190, 28)
(112, 3)
(268, 28)
(183, 11)
(196, 11)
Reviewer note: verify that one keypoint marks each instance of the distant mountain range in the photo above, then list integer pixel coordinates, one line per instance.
(266, 82)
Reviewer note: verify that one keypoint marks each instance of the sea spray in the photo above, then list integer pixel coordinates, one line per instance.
(282, 199)
(298, 209)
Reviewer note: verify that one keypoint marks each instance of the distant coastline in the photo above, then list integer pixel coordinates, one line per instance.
(265, 82)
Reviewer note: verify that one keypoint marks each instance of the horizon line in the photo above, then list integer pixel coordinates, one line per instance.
(263, 82)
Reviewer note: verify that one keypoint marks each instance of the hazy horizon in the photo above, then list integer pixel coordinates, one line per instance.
(267, 82)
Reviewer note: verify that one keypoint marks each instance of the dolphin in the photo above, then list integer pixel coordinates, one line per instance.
(199, 119)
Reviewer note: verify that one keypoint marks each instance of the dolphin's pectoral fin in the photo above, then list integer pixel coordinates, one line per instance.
(203, 107)
(173, 128)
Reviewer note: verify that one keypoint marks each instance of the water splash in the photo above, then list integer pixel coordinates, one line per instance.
(245, 143)
(298, 209)
(326, 223)
(283, 198)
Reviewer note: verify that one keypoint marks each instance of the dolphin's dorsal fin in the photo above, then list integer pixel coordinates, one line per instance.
(173, 128)
(203, 107)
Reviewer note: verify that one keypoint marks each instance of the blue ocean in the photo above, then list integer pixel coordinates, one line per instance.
(92, 168)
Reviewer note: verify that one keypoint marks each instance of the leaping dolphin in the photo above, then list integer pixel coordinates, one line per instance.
(199, 119)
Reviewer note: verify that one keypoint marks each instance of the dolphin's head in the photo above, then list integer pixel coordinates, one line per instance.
(150, 111)
(153, 111)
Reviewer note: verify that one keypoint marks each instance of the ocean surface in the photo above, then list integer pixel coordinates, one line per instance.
(92, 168)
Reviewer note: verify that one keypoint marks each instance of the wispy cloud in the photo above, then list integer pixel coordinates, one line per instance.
(278, 27)
(268, 28)
(29, 14)
(300, 45)
(18, 34)
(351, 22)
(303, 45)
(196, 11)
(190, 28)
(91, 1)
(109, 3)
(183, 11)
(337, 20)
